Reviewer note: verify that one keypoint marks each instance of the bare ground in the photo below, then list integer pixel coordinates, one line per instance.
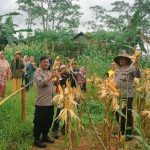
(89, 142)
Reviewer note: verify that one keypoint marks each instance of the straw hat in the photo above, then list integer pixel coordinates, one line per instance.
(17, 52)
(126, 56)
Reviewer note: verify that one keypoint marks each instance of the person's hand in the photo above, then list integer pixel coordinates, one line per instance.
(55, 75)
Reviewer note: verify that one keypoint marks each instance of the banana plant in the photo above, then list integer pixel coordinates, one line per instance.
(7, 30)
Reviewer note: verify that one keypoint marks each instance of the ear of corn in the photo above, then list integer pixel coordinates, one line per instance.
(68, 114)
(56, 64)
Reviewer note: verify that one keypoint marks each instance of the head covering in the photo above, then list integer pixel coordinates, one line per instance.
(17, 52)
(62, 66)
(116, 59)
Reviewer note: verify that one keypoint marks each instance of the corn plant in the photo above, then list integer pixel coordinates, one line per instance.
(108, 95)
(139, 129)
(66, 99)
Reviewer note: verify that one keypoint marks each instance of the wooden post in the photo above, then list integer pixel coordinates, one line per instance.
(23, 103)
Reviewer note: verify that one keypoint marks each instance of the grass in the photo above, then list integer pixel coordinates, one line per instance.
(17, 135)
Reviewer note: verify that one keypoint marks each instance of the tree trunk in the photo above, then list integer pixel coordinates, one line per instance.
(43, 18)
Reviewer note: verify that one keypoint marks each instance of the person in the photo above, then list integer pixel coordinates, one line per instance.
(26, 75)
(111, 72)
(31, 69)
(64, 77)
(125, 83)
(44, 109)
(83, 71)
(17, 69)
(74, 78)
(5, 74)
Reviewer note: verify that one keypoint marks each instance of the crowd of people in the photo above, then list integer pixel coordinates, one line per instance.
(48, 75)
(24, 71)
(19, 71)
(47, 79)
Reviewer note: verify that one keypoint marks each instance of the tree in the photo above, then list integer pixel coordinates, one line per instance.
(53, 14)
(98, 15)
(130, 21)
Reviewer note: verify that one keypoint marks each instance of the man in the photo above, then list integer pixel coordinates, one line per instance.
(44, 109)
(125, 83)
(17, 67)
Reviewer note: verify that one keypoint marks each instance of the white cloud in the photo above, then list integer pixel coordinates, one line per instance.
(7, 6)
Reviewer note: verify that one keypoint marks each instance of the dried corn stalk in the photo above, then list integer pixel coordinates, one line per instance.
(56, 64)
(66, 100)
(143, 91)
(108, 94)
(143, 101)
(145, 117)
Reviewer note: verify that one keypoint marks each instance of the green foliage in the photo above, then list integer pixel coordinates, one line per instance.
(15, 134)
(54, 15)
(96, 111)
(34, 49)
(7, 31)
(96, 60)
(62, 41)
(139, 131)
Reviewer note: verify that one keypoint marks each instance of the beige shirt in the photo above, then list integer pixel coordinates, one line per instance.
(45, 90)
(125, 81)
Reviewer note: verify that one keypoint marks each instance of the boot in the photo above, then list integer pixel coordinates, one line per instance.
(39, 144)
(48, 139)
(128, 138)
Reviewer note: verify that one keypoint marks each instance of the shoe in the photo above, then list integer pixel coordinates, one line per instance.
(55, 135)
(39, 144)
(128, 138)
(48, 140)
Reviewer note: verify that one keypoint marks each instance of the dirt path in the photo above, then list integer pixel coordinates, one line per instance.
(59, 145)
(89, 142)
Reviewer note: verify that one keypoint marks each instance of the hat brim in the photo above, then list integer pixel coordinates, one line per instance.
(117, 59)
(17, 53)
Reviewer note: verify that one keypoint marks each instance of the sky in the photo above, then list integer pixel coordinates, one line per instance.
(7, 6)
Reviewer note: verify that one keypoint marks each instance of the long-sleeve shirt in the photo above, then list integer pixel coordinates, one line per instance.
(44, 89)
(17, 68)
(125, 81)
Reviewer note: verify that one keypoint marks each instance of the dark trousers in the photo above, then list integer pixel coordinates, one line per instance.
(126, 127)
(43, 119)
(56, 122)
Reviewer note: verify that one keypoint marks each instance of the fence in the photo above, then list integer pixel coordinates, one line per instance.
(23, 99)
